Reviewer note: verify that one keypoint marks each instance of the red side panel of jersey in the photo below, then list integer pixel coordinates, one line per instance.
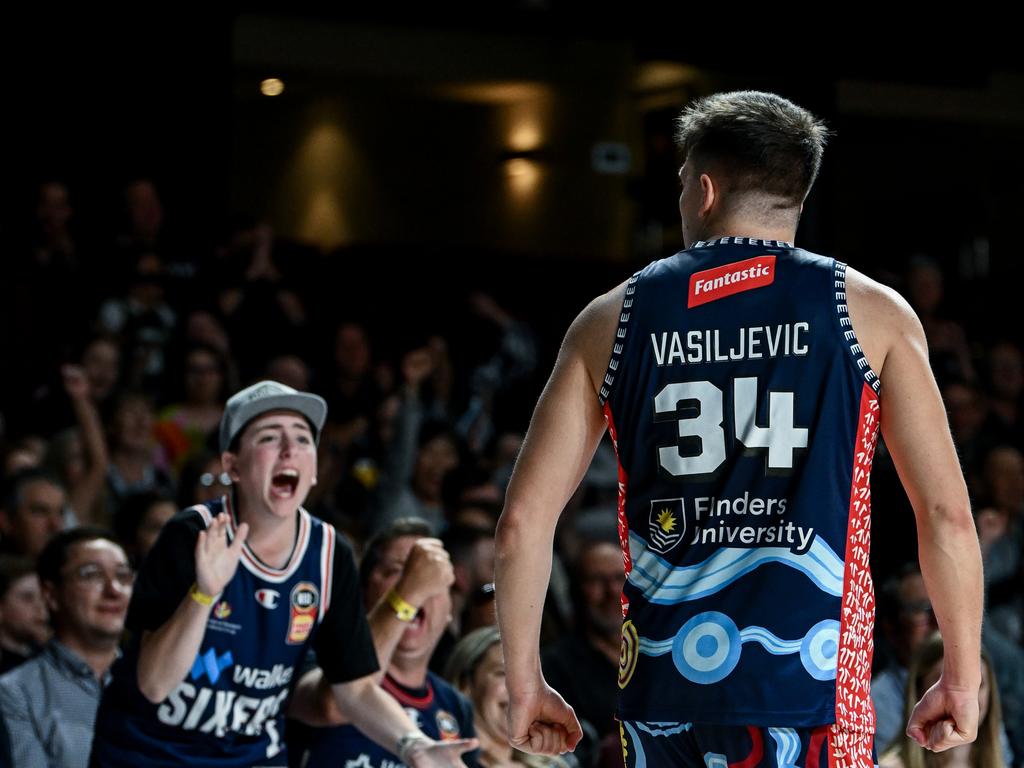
(854, 711)
(627, 561)
(850, 749)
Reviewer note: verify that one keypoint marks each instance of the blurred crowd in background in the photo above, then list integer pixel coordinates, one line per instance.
(122, 346)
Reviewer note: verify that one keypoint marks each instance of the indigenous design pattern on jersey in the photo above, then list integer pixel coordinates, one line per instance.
(696, 745)
(744, 415)
(233, 694)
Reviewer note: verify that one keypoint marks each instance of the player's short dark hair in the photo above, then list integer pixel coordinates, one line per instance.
(761, 142)
(54, 556)
(403, 526)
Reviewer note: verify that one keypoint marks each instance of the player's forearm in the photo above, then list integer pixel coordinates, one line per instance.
(522, 570)
(167, 654)
(370, 709)
(951, 566)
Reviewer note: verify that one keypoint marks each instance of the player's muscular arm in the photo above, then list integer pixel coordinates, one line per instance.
(916, 432)
(566, 428)
(874, 311)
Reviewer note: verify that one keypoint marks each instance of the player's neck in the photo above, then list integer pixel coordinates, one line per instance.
(738, 227)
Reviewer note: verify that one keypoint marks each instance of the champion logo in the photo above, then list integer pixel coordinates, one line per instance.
(268, 598)
(713, 284)
(211, 665)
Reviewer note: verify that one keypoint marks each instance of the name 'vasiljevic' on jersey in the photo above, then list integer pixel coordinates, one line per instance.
(753, 343)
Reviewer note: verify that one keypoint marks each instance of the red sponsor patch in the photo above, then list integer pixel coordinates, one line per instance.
(304, 601)
(717, 283)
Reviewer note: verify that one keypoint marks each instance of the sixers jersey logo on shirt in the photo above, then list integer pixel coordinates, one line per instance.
(713, 284)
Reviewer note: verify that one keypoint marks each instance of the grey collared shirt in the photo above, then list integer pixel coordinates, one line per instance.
(48, 706)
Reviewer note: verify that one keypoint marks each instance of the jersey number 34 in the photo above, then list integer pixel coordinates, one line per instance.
(780, 438)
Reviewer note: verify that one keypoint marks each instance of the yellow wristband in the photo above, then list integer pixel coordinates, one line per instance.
(201, 597)
(404, 610)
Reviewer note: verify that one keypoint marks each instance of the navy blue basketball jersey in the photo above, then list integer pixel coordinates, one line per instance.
(229, 709)
(437, 709)
(744, 415)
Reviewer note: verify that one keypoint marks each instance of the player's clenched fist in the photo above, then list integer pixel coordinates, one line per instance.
(542, 723)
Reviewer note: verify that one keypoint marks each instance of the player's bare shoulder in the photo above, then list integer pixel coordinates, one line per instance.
(592, 333)
(881, 317)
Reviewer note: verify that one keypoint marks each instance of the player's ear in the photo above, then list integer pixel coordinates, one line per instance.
(709, 193)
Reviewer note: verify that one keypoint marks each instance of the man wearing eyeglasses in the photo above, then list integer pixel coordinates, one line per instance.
(49, 703)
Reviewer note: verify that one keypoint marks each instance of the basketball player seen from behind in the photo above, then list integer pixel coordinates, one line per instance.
(743, 382)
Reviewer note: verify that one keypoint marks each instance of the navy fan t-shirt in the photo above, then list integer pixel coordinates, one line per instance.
(744, 415)
(437, 709)
(229, 709)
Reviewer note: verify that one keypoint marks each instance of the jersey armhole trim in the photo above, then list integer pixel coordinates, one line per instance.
(860, 362)
(620, 341)
(326, 568)
(204, 513)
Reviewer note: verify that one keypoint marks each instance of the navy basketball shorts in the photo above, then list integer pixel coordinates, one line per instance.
(659, 745)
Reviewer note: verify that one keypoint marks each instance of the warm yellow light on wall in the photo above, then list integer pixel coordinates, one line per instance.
(313, 195)
(525, 134)
(525, 120)
(518, 166)
(272, 87)
(523, 177)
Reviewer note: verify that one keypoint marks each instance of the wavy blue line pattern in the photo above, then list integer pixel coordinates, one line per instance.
(787, 747)
(771, 643)
(650, 728)
(663, 584)
(655, 647)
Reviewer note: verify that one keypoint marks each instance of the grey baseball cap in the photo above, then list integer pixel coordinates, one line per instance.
(242, 407)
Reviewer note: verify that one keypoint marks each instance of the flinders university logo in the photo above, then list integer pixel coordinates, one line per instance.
(667, 524)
